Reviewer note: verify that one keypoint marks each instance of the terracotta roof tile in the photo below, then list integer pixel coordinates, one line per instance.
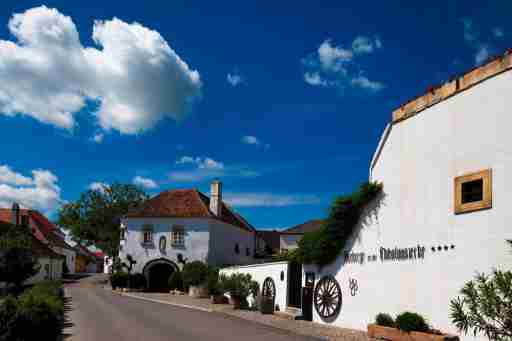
(186, 203)
(308, 226)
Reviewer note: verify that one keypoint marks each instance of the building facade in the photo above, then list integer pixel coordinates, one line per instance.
(182, 226)
(444, 214)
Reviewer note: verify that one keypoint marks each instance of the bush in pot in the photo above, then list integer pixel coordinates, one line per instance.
(176, 281)
(195, 275)
(215, 288)
(385, 320)
(411, 322)
(119, 280)
(239, 287)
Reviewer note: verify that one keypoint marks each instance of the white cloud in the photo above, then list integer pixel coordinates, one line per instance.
(248, 139)
(362, 45)
(98, 186)
(498, 32)
(195, 169)
(482, 54)
(336, 66)
(144, 182)
(269, 199)
(470, 34)
(202, 163)
(98, 138)
(39, 192)
(136, 78)
(365, 83)
(234, 79)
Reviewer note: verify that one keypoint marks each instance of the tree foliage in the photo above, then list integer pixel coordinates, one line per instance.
(485, 306)
(17, 262)
(324, 245)
(94, 219)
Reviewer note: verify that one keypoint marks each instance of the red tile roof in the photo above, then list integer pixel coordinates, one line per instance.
(186, 203)
(308, 226)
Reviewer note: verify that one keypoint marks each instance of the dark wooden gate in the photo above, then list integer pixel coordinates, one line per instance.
(294, 285)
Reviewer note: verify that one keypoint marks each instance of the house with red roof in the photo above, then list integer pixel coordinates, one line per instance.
(43, 230)
(184, 225)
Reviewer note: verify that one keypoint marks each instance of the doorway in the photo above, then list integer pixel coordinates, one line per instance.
(294, 284)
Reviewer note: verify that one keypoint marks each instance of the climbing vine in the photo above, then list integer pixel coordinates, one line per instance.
(324, 245)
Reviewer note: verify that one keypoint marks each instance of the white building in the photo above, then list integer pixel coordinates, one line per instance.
(184, 225)
(289, 237)
(444, 215)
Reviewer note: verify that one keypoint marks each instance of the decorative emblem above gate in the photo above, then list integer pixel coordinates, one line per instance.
(327, 297)
(269, 288)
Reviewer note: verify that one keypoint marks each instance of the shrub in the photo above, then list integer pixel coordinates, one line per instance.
(119, 280)
(411, 322)
(8, 314)
(239, 285)
(138, 281)
(215, 287)
(175, 281)
(385, 320)
(194, 273)
(485, 306)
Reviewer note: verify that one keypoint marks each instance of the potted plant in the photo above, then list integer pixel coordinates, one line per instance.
(215, 288)
(239, 287)
(407, 326)
(194, 276)
(175, 282)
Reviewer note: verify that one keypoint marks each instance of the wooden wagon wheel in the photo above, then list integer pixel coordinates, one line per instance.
(328, 297)
(269, 288)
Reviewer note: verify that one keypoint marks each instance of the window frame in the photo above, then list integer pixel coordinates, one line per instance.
(147, 228)
(178, 236)
(486, 202)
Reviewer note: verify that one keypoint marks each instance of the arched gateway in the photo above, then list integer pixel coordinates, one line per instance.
(157, 273)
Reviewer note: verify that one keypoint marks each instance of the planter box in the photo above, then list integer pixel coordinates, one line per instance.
(219, 299)
(394, 334)
(198, 291)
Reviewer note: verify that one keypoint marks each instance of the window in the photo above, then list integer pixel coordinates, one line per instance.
(147, 234)
(237, 249)
(162, 243)
(473, 191)
(178, 236)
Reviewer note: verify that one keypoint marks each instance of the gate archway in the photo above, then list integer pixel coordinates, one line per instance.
(157, 273)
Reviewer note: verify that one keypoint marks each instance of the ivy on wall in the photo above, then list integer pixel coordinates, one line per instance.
(324, 245)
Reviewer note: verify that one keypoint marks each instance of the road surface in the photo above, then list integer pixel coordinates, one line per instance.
(99, 315)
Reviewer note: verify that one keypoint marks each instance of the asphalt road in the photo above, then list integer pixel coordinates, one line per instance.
(96, 314)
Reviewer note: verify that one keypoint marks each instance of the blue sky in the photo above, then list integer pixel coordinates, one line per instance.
(284, 102)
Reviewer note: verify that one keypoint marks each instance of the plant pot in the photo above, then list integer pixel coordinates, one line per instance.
(266, 305)
(394, 334)
(198, 291)
(219, 299)
(235, 301)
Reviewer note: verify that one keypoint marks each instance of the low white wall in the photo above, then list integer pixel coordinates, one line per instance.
(259, 272)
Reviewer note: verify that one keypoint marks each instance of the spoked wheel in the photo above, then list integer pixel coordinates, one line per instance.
(328, 297)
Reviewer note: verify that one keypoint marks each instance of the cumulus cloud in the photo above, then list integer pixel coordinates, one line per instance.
(98, 138)
(234, 79)
(269, 199)
(195, 169)
(144, 182)
(136, 78)
(482, 54)
(248, 139)
(337, 66)
(39, 192)
(479, 42)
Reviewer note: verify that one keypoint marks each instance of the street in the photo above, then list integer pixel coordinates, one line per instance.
(98, 315)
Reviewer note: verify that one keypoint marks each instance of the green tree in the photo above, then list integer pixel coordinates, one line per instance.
(94, 219)
(17, 262)
(485, 306)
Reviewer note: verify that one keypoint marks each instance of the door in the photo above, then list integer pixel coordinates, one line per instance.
(294, 285)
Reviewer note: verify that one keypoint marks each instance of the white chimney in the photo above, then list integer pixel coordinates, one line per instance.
(216, 197)
(15, 214)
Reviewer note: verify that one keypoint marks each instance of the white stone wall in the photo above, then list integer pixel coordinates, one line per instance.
(289, 241)
(259, 272)
(417, 165)
(207, 240)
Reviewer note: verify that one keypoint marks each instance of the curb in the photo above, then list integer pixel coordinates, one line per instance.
(165, 302)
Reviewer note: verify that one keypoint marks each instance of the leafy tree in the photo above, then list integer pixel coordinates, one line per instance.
(94, 219)
(17, 263)
(485, 306)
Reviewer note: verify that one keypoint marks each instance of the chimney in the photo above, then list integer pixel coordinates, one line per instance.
(15, 214)
(216, 197)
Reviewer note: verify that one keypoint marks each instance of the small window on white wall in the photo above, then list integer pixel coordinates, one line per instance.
(178, 236)
(147, 234)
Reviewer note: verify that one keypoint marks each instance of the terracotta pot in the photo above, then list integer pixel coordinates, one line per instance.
(219, 299)
(394, 334)
(198, 291)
